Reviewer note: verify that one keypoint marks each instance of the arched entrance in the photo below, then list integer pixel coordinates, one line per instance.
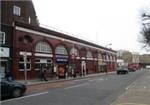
(89, 62)
(61, 56)
(43, 58)
(74, 63)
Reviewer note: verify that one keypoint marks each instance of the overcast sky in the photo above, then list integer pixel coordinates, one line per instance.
(100, 21)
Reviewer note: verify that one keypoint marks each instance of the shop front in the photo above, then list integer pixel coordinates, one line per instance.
(5, 62)
(41, 63)
(62, 64)
(74, 62)
(89, 63)
(43, 58)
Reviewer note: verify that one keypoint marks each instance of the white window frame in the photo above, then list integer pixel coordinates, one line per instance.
(23, 62)
(43, 47)
(17, 10)
(61, 50)
(89, 54)
(74, 51)
(39, 62)
(2, 37)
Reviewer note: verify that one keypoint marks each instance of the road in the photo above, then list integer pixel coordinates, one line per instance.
(99, 90)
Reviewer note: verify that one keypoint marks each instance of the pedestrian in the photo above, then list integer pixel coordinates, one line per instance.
(8, 76)
(66, 74)
(43, 74)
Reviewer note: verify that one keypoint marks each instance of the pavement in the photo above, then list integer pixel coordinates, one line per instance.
(138, 93)
(54, 80)
(36, 85)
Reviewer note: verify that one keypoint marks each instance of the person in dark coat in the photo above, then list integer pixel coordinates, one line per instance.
(43, 75)
(8, 76)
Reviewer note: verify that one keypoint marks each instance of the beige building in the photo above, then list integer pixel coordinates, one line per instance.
(145, 58)
(129, 57)
(135, 57)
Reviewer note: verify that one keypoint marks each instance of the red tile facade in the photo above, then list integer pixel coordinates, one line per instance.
(65, 60)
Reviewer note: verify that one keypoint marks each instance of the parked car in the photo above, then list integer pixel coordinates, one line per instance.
(122, 71)
(12, 88)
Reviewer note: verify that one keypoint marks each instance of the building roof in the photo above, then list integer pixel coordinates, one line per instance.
(61, 35)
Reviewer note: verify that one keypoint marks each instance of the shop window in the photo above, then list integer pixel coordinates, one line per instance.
(61, 50)
(22, 64)
(43, 47)
(75, 52)
(16, 10)
(42, 63)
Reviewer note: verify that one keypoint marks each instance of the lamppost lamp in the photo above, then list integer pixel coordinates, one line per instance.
(108, 45)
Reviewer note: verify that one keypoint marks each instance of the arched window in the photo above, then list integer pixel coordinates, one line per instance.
(43, 47)
(99, 56)
(74, 51)
(61, 50)
(89, 54)
(107, 57)
(111, 57)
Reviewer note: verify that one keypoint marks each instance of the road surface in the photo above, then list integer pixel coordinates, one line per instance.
(99, 90)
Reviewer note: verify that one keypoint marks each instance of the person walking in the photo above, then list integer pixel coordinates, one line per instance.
(43, 75)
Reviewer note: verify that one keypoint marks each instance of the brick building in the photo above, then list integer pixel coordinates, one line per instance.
(34, 47)
(22, 11)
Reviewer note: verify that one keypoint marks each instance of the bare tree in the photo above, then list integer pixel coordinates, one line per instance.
(145, 31)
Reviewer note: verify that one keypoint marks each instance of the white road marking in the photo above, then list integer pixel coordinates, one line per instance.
(32, 95)
(81, 79)
(70, 87)
(131, 85)
(100, 79)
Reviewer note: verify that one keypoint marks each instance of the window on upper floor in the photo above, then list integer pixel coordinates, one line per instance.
(74, 51)
(61, 50)
(16, 10)
(43, 47)
(89, 54)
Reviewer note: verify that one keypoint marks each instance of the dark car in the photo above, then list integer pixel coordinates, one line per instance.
(132, 69)
(12, 88)
(122, 71)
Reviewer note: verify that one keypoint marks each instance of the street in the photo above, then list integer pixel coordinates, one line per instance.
(98, 90)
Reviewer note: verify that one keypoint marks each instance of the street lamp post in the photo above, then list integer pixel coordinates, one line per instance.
(26, 40)
(25, 66)
(73, 62)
